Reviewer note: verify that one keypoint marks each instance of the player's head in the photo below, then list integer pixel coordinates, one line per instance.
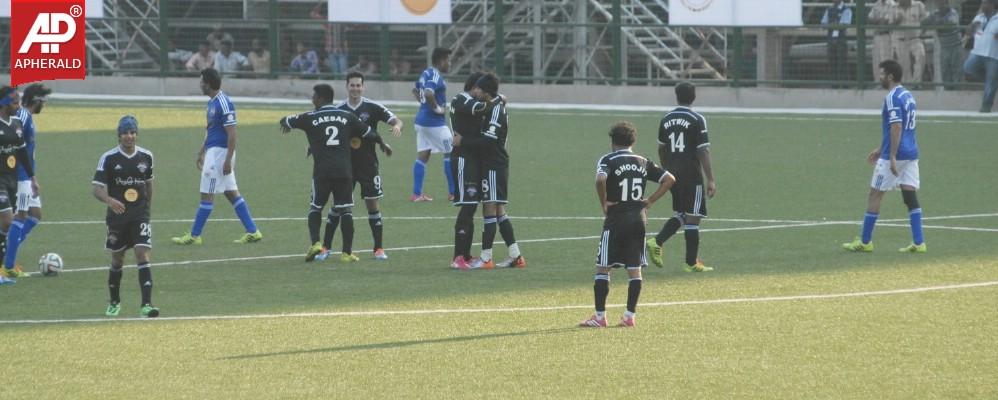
(9, 100)
(489, 85)
(355, 85)
(204, 48)
(890, 73)
(35, 97)
(686, 93)
(988, 6)
(441, 59)
(322, 94)
(469, 84)
(128, 128)
(226, 46)
(623, 134)
(211, 81)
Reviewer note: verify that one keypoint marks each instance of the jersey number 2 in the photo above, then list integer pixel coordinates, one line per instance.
(678, 145)
(332, 132)
(635, 191)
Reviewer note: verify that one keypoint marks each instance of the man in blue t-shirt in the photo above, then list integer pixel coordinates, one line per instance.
(895, 160)
(29, 203)
(217, 162)
(432, 133)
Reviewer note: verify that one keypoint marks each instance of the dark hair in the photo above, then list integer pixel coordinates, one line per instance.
(205, 44)
(623, 133)
(226, 42)
(489, 83)
(893, 69)
(7, 95)
(34, 91)
(440, 54)
(324, 92)
(212, 78)
(355, 74)
(470, 82)
(686, 93)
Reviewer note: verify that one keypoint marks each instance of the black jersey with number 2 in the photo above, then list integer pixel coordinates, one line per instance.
(330, 131)
(626, 174)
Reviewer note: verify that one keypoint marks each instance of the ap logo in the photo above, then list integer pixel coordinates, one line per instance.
(48, 40)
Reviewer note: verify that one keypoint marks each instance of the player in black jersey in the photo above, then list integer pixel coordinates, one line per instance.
(365, 162)
(123, 181)
(620, 186)
(490, 147)
(684, 150)
(466, 121)
(330, 131)
(13, 152)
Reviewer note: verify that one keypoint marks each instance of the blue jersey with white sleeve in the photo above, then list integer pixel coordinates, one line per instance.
(221, 113)
(431, 79)
(28, 135)
(899, 107)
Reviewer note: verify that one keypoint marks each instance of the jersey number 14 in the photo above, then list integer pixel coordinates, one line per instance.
(678, 145)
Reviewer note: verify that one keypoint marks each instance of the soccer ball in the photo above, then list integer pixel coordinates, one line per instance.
(50, 264)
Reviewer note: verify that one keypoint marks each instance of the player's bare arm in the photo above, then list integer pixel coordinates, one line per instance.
(100, 192)
(199, 163)
(895, 143)
(230, 131)
(397, 126)
(601, 192)
(663, 154)
(663, 187)
(704, 156)
(432, 101)
(149, 193)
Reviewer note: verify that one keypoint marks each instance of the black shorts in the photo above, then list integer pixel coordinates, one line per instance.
(126, 235)
(340, 188)
(495, 185)
(370, 183)
(688, 197)
(8, 192)
(466, 171)
(622, 243)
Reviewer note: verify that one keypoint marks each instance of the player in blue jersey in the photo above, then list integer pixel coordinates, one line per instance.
(13, 153)
(217, 162)
(432, 133)
(29, 207)
(896, 162)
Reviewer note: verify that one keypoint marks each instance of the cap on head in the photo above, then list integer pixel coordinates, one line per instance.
(127, 123)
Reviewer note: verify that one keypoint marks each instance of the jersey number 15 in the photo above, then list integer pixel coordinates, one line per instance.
(632, 191)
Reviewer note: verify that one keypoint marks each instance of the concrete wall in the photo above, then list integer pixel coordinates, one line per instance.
(525, 93)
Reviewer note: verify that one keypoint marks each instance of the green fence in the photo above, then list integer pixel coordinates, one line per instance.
(599, 42)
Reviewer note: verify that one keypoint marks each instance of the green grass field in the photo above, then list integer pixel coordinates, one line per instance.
(787, 314)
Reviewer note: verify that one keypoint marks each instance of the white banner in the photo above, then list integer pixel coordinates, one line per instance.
(390, 11)
(736, 12)
(95, 9)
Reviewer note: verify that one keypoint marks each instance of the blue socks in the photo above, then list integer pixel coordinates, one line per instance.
(13, 242)
(201, 218)
(29, 224)
(418, 172)
(449, 174)
(242, 210)
(869, 220)
(915, 218)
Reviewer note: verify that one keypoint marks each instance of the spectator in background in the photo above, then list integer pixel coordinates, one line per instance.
(950, 45)
(838, 46)
(201, 60)
(336, 60)
(259, 57)
(882, 13)
(399, 66)
(178, 57)
(365, 66)
(228, 61)
(306, 61)
(216, 37)
(983, 60)
(909, 47)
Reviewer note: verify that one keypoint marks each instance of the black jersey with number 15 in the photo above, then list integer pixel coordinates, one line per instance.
(626, 174)
(330, 131)
(683, 132)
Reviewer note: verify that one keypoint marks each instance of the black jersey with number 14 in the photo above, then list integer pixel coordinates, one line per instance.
(683, 132)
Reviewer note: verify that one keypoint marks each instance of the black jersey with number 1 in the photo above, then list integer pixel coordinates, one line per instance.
(683, 132)
(125, 177)
(626, 174)
(330, 131)
(369, 112)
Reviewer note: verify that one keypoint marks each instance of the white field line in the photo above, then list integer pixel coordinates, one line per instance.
(560, 239)
(380, 313)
